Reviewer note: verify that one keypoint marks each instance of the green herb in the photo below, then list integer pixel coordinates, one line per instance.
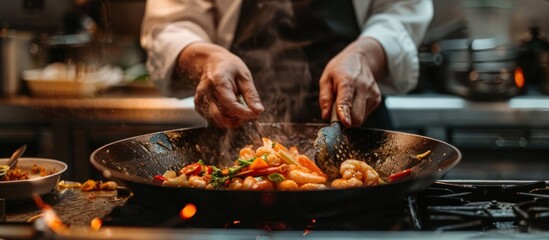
(201, 162)
(218, 180)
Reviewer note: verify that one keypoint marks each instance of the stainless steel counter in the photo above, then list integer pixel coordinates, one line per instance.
(433, 109)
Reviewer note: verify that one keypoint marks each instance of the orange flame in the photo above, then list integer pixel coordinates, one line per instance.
(519, 77)
(236, 222)
(50, 217)
(188, 211)
(96, 224)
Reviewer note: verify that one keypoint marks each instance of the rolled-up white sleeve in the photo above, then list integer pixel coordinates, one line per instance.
(399, 26)
(168, 27)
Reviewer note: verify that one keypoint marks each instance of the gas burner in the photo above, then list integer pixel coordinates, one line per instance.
(458, 205)
(488, 206)
(135, 214)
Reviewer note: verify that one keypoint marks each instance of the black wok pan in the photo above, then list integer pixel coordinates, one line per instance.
(133, 162)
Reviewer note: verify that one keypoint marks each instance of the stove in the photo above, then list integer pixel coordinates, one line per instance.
(449, 205)
(480, 209)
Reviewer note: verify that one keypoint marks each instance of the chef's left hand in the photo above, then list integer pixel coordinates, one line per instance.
(348, 79)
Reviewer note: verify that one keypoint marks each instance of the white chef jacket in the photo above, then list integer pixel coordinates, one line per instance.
(171, 25)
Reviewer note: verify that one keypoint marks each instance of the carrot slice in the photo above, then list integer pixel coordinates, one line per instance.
(309, 164)
(259, 163)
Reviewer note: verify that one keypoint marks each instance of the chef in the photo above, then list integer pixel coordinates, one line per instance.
(285, 60)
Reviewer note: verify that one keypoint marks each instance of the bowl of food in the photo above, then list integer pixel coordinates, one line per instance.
(31, 177)
(70, 80)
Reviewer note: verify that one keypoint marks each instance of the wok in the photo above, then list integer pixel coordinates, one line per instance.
(134, 162)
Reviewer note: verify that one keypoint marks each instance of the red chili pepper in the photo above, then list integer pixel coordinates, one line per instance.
(191, 169)
(159, 179)
(207, 170)
(263, 171)
(400, 175)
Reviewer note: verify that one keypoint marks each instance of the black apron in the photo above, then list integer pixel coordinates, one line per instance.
(286, 45)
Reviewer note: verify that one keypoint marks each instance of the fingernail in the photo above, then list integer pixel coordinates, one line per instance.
(259, 107)
(345, 111)
(348, 119)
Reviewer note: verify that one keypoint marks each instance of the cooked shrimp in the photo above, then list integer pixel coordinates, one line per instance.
(301, 177)
(263, 184)
(251, 183)
(287, 185)
(347, 183)
(313, 186)
(197, 182)
(260, 151)
(235, 184)
(273, 160)
(360, 170)
(247, 152)
(248, 183)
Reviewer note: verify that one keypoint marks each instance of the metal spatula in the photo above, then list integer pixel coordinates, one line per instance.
(12, 162)
(332, 147)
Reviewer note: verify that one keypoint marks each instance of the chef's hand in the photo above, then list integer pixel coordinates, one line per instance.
(220, 77)
(349, 79)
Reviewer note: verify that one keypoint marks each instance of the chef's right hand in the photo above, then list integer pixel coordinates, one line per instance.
(220, 77)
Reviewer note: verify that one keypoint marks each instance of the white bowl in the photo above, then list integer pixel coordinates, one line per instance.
(60, 80)
(35, 185)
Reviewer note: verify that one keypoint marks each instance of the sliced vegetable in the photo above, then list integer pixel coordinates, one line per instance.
(309, 164)
(191, 169)
(287, 158)
(263, 171)
(259, 163)
(276, 177)
(206, 170)
(159, 179)
(400, 175)
(245, 162)
(423, 155)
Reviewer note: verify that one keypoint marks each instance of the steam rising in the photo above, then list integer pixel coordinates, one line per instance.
(279, 68)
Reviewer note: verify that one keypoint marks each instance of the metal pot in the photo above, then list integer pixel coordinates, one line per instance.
(480, 69)
(18, 51)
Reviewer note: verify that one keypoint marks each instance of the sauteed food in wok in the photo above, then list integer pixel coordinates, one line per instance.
(272, 166)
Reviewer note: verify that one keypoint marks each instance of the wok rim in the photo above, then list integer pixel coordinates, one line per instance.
(120, 176)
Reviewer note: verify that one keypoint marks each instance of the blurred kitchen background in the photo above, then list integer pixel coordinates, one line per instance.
(483, 87)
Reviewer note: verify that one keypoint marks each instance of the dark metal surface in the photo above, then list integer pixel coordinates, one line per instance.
(331, 149)
(134, 162)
